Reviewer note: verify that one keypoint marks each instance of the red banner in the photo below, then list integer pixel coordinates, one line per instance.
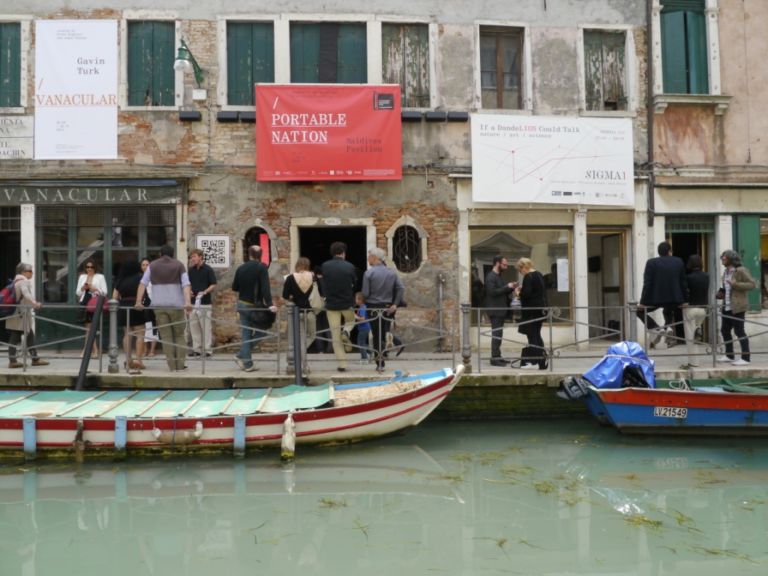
(328, 132)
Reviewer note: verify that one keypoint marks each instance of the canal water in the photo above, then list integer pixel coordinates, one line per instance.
(557, 497)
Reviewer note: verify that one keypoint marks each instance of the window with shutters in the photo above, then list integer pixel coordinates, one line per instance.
(328, 52)
(250, 59)
(605, 74)
(151, 53)
(405, 61)
(501, 65)
(684, 47)
(10, 64)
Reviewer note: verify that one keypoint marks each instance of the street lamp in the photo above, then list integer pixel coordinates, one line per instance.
(186, 62)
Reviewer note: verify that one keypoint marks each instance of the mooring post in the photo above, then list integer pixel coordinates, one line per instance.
(113, 367)
(466, 343)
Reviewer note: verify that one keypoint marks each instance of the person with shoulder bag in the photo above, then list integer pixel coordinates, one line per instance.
(736, 284)
(90, 285)
(299, 288)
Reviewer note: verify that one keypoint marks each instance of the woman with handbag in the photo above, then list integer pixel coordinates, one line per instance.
(90, 285)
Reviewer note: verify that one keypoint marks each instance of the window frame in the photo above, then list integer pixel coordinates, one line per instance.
(423, 240)
(526, 67)
(630, 71)
(222, 88)
(178, 76)
(712, 41)
(25, 47)
(377, 37)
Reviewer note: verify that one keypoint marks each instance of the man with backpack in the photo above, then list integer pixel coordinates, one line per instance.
(21, 291)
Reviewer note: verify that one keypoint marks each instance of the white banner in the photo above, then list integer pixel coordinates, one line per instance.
(552, 160)
(76, 89)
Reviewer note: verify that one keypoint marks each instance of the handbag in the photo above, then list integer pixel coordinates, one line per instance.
(262, 317)
(90, 307)
(316, 302)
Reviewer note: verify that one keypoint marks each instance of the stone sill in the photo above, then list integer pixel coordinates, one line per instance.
(718, 101)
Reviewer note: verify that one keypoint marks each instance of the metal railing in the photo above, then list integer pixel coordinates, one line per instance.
(453, 334)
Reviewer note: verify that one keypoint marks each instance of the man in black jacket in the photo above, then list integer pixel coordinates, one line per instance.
(339, 280)
(664, 286)
(497, 304)
(251, 283)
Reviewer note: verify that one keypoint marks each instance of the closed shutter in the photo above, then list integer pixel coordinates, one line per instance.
(605, 77)
(305, 43)
(682, 5)
(696, 49)
(250, 59)
(405, 55)
(684, 47)
(151, 52)
(352, 62)
(10, 65)
(673, 53)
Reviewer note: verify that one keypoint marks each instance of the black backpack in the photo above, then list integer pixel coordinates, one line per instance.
(534, 355)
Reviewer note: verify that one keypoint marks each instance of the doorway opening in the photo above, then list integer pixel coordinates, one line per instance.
(315, 243)
(605, 277)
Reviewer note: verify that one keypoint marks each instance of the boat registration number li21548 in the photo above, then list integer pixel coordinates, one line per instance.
(670, 412)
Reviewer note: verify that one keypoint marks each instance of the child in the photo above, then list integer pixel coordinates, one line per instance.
(363, 327)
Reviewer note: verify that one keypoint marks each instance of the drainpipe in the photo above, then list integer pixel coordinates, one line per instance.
(440, 300)
(650, 113)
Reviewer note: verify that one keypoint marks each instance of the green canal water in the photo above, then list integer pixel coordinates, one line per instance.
(558, 497)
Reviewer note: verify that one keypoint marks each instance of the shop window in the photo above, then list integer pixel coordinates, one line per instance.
(10, 219)
(605, 76)
(548, 249)
(10, 64)
(328, 52)
(405, 56)
(684, 47)
(501, 57)
(151, 53)
(250, 59)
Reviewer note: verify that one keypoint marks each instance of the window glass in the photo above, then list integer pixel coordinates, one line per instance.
(405, 49)
(543, 247)
(501, 51)
(250, 59)
(55, 272)
(604, 70)
(151, 53)
(10, 64)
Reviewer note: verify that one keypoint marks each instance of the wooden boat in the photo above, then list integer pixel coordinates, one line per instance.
(108, 422)
(711, 406)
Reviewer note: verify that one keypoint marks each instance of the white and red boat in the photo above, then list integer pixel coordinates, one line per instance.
(63, 423)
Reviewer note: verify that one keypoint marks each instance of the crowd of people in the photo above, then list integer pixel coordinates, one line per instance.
(164, 300)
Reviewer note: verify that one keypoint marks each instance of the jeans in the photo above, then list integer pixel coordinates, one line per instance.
(734, 321)
(362, 342)
(381, 323)
(250, 335)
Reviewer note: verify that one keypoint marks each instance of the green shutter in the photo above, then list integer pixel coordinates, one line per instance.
(748, 245)
(10, 65)
(305, 44)
(673, 53)
(682, 5)
(352, 59)
(593, 70)
(151, 52)
(696, 49)
(250, 59)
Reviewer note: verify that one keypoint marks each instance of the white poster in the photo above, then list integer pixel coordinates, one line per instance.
(552, 160)
(76, 89)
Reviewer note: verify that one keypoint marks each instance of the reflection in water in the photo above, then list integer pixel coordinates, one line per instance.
(521, 498)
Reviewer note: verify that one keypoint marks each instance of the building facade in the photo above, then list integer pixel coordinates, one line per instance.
(184, 162)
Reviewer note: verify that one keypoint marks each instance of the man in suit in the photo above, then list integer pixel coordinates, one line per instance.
(497, 305)
(664, 286)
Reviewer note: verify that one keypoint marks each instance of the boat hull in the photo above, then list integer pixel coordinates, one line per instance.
(647, 411)
(61, 436)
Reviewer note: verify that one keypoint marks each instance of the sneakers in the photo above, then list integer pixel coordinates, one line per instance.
(40, 362)
(723, 359)
(529, 367)
(243, 366)
(740, 362)
(15, 364)
(656, 336)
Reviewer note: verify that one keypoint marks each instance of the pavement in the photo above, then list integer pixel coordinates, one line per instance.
(220, 370)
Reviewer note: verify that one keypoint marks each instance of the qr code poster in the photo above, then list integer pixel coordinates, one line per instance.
(216, 250)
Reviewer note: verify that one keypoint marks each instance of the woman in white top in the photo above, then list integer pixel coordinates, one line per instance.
(90, 284)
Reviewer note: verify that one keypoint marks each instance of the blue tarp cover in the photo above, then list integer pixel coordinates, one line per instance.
(609, 372)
